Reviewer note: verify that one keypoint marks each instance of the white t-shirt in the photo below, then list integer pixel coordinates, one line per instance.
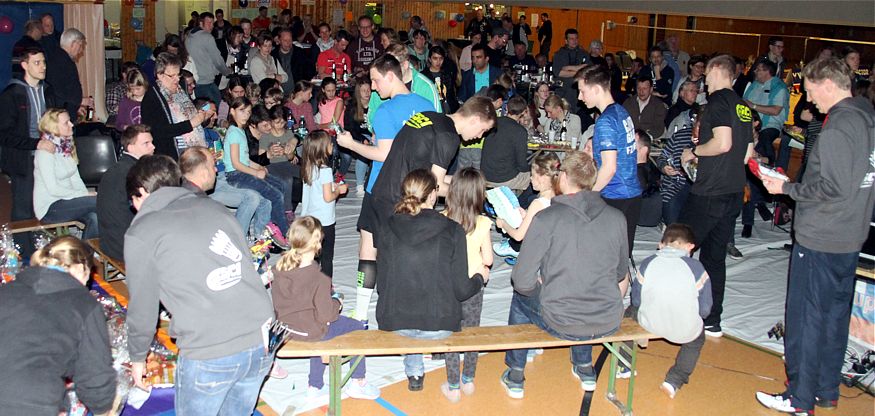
(313, 200)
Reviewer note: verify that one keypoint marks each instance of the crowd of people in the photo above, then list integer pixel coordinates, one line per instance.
(267, 116)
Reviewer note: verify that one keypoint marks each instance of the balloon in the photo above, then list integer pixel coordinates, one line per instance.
(378, 20)
(405, 15)
(440, 15)
(284, 4)
(452, 23)
(460, 17)
(243, 3)
(343, 2)
(6, 24)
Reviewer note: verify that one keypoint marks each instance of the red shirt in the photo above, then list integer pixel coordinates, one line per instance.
(261, 23)
(325, 59)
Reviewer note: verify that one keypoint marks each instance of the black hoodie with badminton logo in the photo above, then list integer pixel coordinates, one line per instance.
(189, 253)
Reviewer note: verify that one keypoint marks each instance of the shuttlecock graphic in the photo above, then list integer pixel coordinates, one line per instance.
(221, 244)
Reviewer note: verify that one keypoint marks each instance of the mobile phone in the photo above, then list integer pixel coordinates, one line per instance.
(206, 107)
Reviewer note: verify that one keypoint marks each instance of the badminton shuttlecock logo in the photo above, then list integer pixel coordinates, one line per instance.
(221, 244)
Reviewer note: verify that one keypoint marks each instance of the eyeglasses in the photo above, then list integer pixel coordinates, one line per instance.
(176, 75)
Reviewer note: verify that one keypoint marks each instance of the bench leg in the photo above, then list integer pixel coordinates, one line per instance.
(335, 365)
(616, 348)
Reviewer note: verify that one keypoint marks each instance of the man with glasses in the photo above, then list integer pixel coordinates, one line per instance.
(768, 96)
(776, 55)
(365, 48)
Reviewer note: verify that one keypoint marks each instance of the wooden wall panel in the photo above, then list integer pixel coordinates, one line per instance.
(129, 37)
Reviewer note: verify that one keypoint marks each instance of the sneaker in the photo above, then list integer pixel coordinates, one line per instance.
(530, 356)
(314, 393)
(733, 252)
(825, 404)
(668, 389)
(513, 389)
(414, 383)
(781, 402)
(587, 380)
(624, 372)
(361, 389)
(467, 386)
(278, 372)
(503, 249)
(277, 236)
(713, 331)
(510, 261)
(359, 189)
(451, 393)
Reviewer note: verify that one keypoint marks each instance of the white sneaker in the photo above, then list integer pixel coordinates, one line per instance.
(669, 390)
(714, 331)
(625, 373)
(778, 402)
(361, 389)
(313, 393)
(360, 189)
(503, 249)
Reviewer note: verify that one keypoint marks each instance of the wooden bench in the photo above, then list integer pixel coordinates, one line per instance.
(33, 224)
(492, 338)
(117, 265)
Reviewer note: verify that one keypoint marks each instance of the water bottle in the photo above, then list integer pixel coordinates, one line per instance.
(345, 74)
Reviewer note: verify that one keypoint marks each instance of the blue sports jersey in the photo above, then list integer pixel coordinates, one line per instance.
(389, 119)
(614, 131)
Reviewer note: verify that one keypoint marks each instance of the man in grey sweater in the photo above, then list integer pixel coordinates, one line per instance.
(833, 212)
(201, 46)
(571, 273)
(189, 254)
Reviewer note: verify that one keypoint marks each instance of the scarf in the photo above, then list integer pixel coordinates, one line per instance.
(63, 145)
(182, 109)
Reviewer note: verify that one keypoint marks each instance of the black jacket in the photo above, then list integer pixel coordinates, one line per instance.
(156, 113)
(114, 212)
(53, 329)
(16, 156)
(63, 76)
(422, 273)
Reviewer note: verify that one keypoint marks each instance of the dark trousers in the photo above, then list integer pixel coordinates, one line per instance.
(22, 208)
(685, 362)
(764, 146)
(671, 210)
(819, 293)
(545, 48)
(326, 256)
(291, 175)
(343, 325)
(712, 219)
(471, 310)
(631, 209)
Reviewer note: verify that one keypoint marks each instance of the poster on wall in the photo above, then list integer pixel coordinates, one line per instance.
(263, 3)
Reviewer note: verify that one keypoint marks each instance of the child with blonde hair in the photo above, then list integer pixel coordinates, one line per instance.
(302, 300)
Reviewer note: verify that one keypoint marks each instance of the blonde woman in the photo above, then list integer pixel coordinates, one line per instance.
(58, 191)
(54, 329)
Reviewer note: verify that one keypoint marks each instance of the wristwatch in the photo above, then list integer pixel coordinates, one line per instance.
(693, 151)
(753, 106)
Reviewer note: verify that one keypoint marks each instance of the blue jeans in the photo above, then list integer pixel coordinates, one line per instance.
(82, 209)
(221, 386)
(271, 188)
(671, 210)
(210, 91)
(361, 172)
(413, 365)
(343, 325)
(527, 310)
(819, 294)
(251, 207)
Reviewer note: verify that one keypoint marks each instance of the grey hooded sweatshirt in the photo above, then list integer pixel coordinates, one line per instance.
(189, 253)
(834, 201)
(579, 244)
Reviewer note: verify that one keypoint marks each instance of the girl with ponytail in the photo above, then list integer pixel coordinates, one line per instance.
(53, 329)
(422, 271)
(303, 300)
